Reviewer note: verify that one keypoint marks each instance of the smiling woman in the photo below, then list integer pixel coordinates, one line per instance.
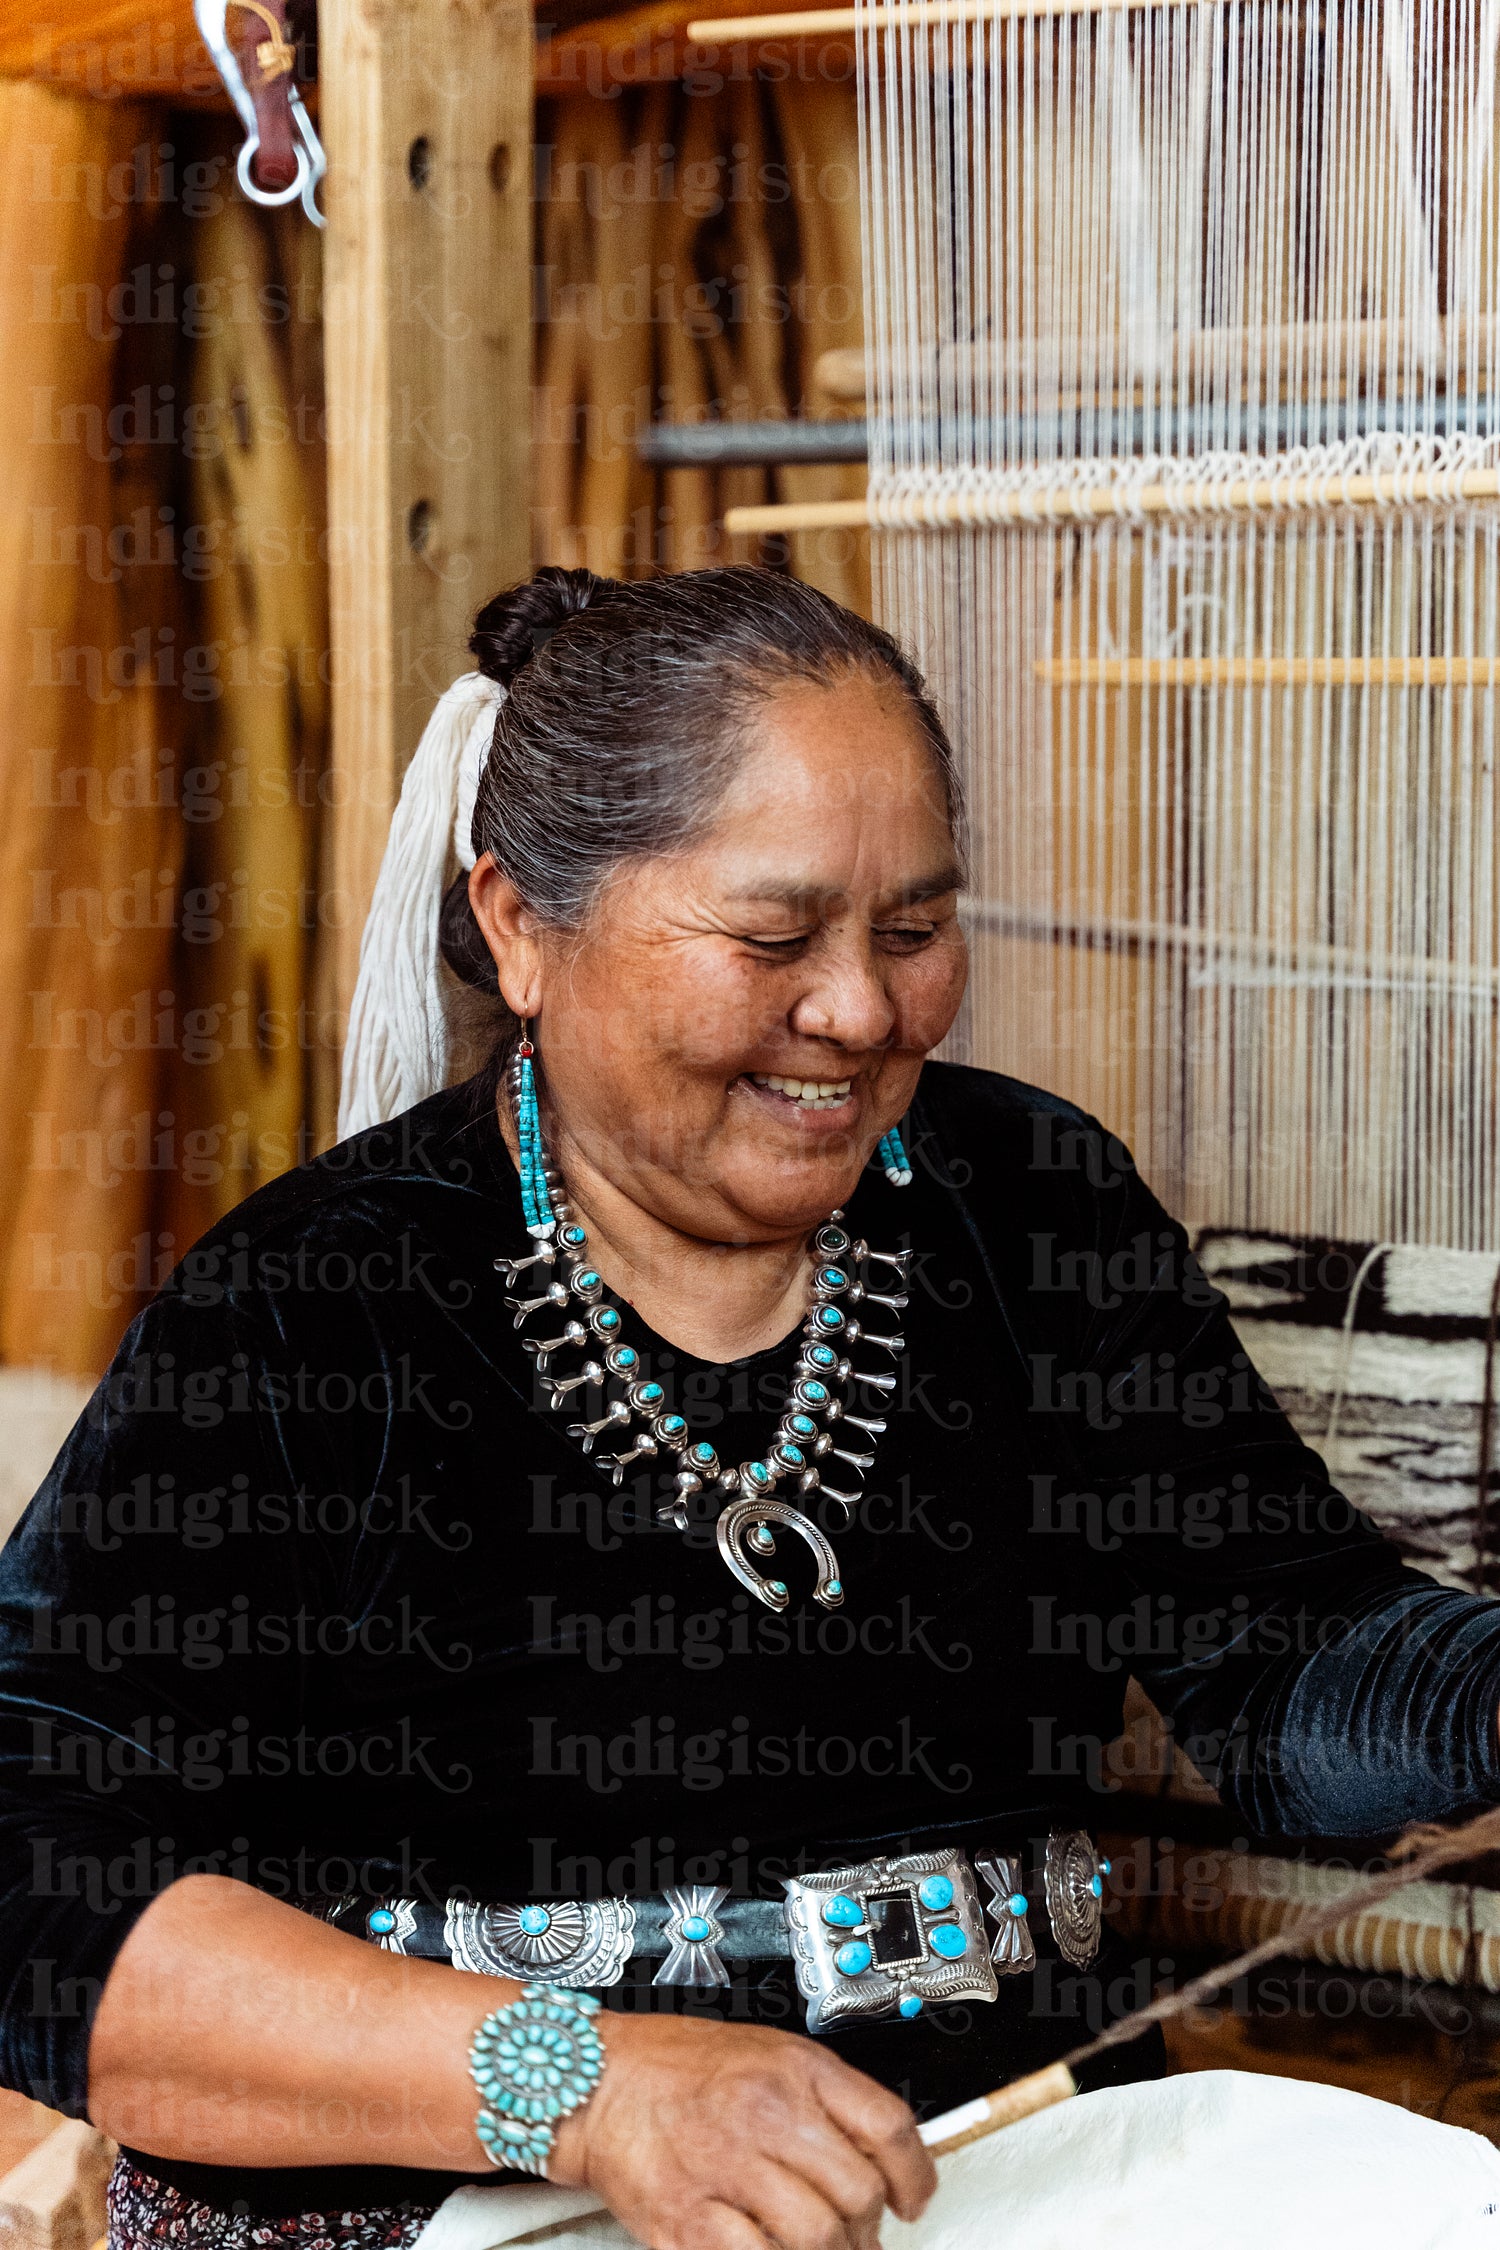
(666, 1520)
(737, 934)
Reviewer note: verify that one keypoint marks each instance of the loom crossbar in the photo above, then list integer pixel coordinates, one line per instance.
(956, 511)
(1181, 339)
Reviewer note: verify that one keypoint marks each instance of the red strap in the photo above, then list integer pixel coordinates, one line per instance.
(264, 55)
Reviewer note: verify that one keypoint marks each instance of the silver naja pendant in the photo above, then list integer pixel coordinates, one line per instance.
(746, 1523)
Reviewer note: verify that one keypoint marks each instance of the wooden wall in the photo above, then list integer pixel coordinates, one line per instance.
(91, 842)
(697, 250)
(173, 946)
(257, 912)
(163, 673)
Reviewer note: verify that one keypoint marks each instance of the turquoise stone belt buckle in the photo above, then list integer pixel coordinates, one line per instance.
(887, 1938)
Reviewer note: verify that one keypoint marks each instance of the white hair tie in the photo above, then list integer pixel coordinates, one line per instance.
(396, 1052)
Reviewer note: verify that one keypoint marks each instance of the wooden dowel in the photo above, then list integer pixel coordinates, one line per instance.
(800, 515)
(1269, 671)
(955, 511)
(821, 23)
(974, 2121)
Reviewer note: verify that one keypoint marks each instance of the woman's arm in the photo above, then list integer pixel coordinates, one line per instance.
(235, 2030)
(1324, 1687)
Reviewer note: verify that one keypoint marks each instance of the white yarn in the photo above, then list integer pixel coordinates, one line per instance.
(1152, 297)
(396, 1052)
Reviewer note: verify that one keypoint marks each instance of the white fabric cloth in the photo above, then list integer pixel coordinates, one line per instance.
(1220, 2160)
(396, 1051)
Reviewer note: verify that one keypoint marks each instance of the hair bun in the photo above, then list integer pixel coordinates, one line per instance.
(511, 627)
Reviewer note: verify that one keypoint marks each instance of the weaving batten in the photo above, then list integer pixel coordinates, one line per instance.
(1229, 703)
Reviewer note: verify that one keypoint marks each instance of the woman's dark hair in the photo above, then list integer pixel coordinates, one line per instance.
(628, 708)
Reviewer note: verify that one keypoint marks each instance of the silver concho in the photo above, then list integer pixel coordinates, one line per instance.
(914, 1952)
(693, 1932)
(1011, 1948)
(1075, 1895)
(564, 1942)
(391, 1923)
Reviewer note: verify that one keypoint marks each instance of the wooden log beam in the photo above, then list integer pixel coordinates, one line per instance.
(426, 114)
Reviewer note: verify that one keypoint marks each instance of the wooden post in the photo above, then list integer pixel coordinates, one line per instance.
(426, 112)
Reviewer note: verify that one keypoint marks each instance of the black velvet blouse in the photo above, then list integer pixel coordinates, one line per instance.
(320, 1596)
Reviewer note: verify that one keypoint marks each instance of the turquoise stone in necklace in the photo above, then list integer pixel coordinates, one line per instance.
(637, 1419)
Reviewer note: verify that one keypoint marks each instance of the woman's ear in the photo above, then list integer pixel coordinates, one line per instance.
(509, 932)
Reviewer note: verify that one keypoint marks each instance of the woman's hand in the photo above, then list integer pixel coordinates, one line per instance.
(706, 2136)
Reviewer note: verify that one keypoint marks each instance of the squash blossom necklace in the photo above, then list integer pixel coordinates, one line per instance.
(636, 1421)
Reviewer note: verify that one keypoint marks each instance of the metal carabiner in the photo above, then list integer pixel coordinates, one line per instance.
(275, 58)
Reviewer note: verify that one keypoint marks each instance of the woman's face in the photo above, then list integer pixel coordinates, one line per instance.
(809, 940)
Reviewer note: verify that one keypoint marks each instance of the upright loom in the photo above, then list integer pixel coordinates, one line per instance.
(1184, 323)
(1183, 367)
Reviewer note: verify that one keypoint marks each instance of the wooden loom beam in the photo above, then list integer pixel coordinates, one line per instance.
(1239, 496)
(426, 111)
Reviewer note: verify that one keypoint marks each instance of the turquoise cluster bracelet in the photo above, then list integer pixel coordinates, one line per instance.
(533, 2063)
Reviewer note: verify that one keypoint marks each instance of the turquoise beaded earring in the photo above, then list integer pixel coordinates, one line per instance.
(893, 1156)
(536, 1196)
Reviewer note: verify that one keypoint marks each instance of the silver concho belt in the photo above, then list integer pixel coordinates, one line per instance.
(884, 1938)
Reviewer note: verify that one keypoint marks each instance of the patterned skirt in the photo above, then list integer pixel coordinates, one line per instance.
(143, 2215)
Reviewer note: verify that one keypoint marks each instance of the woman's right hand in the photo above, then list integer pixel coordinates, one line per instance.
(705, 2136)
